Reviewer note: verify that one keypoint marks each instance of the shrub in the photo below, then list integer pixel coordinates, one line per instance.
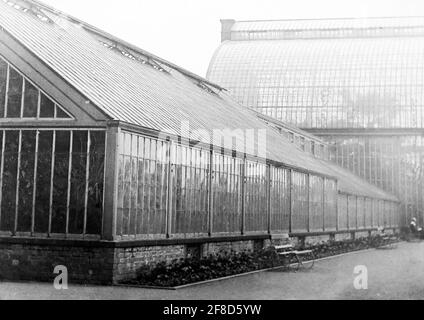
(191, 270)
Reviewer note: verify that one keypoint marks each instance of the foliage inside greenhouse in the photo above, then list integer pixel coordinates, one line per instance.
(101, 139)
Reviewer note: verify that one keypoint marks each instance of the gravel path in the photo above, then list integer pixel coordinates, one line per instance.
(392, 274)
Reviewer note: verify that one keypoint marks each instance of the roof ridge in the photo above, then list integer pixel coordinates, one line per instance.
(287, 126)
(104, 34)
(331, 19)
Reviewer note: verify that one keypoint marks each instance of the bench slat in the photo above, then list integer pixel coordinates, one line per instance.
(286, 253)
(303, 252)
(286, 246)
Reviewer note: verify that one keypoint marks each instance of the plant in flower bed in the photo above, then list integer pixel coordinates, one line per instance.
(331, 248)
(191, 270)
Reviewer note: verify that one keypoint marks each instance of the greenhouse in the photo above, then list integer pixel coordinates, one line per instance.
(356, 83)
(112, 158)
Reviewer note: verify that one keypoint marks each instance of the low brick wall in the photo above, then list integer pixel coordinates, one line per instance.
(227, 247)
(102, 262)
(37, 262)
(362, 234)
(343, 236)
(128, 260)
(98, 262)
(317, 239)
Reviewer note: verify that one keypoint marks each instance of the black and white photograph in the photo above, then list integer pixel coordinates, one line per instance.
(235, 152)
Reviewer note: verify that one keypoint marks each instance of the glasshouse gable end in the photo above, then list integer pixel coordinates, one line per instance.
(95, 174)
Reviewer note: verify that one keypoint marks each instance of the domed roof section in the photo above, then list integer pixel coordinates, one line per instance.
(337, 73)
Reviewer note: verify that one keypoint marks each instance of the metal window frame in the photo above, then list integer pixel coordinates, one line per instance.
(35, 186)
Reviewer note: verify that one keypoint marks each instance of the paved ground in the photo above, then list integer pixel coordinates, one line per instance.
(392, 274)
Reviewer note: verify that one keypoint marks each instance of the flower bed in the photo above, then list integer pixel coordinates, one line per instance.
(192, 270)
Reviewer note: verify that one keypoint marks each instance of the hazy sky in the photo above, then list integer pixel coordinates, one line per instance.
(187, 32)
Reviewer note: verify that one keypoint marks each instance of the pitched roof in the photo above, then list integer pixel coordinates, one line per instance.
(133, 86)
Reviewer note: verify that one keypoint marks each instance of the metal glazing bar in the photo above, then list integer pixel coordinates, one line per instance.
(87, 181)
(323, 204)
(308, 195)
(122, 138)
(51, 183)
(163, 182)
(211, 174)
(347, 210)
(356, 211)
(2, 169)
(143, 178)
(170, 190)
(130, 144)
(290, 190)
(7, 91)
(337, 205)
(243, 195)
(68, 195)
(137, 154)
(268, 198)
(18, 172)
(34, 190)
(38, 105)
(104, 182)
(21, 112)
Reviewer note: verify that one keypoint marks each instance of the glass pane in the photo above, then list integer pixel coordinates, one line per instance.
(342, 212)
(42, 201)
(226, 194)
(60, 114)
(26, 180)
(1, 151)
(352, 212)
(189, 191)
(299, 202)
(95, 187)
(120, 212)
(46, 107)
(10, 170)
(279, 197)
(126, 193)
(141, 182)
(60, 181)
(134, 191)
(255, 197)
(3, 82)
(78, 177)
(316, 222)
(14, 100)
(30, 100)
(330, 211)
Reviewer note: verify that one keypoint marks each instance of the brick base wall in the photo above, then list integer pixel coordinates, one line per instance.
(227, 247)
(317, 239)
(343, 236)
(37, 262)
(100, 262)
(362, 234)
(128, 260)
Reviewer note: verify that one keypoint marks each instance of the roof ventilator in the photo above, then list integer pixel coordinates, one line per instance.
(28, 8)
(135, 56)
(205, 87)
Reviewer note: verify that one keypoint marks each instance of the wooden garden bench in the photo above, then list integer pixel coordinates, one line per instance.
(287, 252)
(388, 240)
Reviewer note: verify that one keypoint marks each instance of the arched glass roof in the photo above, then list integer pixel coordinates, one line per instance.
(356, 82)
(324, 28)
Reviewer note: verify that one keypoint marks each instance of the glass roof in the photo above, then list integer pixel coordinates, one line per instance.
(327, 83)
(322, 28)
